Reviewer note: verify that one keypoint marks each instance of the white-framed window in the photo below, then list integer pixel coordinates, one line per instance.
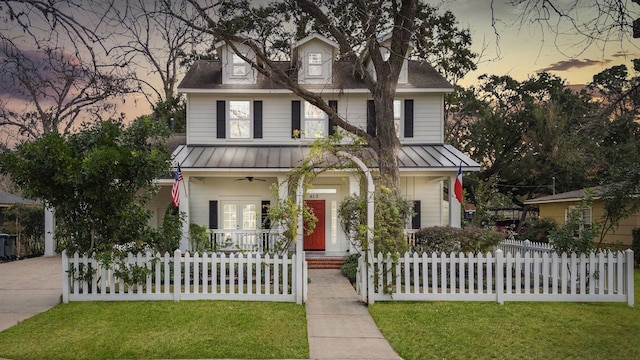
(397, 116)
(239, 119)
(239, 66)
(315, 121)
(240, 215)
(586, 216)
(314, 64)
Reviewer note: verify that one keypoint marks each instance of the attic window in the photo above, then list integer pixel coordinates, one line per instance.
(315, 64)
(239, 66)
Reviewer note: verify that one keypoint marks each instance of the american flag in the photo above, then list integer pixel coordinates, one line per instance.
(175, 190)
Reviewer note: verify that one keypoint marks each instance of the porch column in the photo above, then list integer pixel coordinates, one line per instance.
(184, 208)
(283, 187)
(354, 189)
(49, 230)
(455, 218)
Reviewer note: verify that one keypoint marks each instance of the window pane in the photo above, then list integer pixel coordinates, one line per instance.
(239, 129)
(249, 217)
(397, 115)
(239, 109)
(397, 109)
(229, 219)
(315, 58)
(313, 112)
(315, 64)
(239, 66)
(314, 128)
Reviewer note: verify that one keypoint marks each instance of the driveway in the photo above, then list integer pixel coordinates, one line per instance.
(28, 287)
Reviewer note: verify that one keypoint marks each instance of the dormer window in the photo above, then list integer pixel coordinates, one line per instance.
(314, 66)
(239, 66)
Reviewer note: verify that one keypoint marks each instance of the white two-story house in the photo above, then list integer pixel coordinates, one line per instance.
(242, 137)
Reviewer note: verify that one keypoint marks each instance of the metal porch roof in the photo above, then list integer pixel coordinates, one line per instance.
(436, 157)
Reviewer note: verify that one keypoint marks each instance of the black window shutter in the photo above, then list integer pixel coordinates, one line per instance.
(213, 214)
(415, 220)
(221, 120)
(257, 119)
(266, 223)
(295, 117)
(371, 118)
(333, 104)
(408, 118)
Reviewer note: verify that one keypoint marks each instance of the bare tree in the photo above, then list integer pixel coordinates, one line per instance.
(50, 91)
(56, 69)
(149, 40)
(596, 21)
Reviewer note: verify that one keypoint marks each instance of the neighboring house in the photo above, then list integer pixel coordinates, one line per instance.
(556, 207)
(241, 140)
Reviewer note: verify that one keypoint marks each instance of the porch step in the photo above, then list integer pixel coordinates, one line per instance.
(324, 262)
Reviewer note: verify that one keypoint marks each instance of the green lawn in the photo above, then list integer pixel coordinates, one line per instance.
(474, 330)
(160, 330)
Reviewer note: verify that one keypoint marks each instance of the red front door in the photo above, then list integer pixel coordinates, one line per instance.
(315, 240)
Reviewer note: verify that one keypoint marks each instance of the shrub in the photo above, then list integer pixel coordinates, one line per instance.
(537, 230)
(198, 238)
(444, 239)
(350, 267)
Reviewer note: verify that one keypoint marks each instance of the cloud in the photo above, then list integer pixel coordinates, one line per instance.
(623, 54)
(566, 65)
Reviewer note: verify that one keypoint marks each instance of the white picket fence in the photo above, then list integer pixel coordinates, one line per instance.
(524, 246)
(215, 276)
(597, 277)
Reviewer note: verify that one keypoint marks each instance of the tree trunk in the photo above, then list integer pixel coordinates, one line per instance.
(387, 143)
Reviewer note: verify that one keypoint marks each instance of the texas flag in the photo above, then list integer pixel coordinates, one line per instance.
(457, 188)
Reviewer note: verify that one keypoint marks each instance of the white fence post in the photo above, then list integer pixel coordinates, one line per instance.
(65, 277)
(499, 276)
(177, 269)
(629, 271)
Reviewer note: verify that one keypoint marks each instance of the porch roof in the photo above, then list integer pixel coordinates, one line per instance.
(428, 157)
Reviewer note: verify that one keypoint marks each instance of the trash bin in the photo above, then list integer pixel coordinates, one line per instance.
(8, 243)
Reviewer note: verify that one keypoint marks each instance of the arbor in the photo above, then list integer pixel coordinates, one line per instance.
(97, 179)
(270, 28)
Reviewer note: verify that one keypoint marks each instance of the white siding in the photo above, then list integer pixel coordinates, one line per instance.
(201, 119)
(428, 115)
(430, 195)
(276, 118)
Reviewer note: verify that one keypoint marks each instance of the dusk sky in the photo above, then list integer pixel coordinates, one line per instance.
(523, 50)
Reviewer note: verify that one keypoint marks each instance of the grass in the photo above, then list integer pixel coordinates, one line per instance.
(160, 330)
(480, 330)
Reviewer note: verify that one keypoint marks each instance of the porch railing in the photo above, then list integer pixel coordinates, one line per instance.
(262, 240)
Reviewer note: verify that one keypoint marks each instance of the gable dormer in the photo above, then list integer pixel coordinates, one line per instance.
(385, 49)
(235, 70)
(314, 56)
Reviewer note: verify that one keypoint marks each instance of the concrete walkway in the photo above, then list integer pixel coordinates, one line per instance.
(338, 324)
(28, 287)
